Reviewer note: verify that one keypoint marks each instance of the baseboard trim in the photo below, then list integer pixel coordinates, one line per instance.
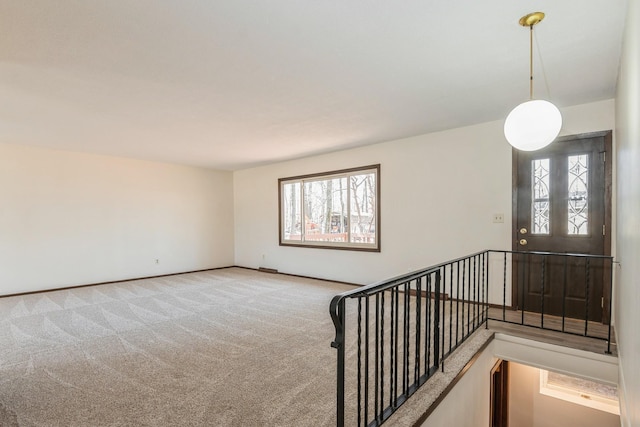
(445, 297)
(272, 270)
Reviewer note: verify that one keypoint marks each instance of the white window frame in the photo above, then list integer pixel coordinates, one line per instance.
(580, 396)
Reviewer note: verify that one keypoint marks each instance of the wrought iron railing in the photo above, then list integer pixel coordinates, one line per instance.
(404, 328)
(562, 292)
(392, 336)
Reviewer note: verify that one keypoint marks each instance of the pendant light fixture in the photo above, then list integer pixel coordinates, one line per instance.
(534, 124)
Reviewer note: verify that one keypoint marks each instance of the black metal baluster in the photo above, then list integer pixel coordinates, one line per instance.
(469, 319)
(391, 349)
(443, 311)
(436, 331)
(417, 348)
(485, 285)
(338, 317)
(359, 360)
(366, 361)
(504, 288)
(544, 265)
(458, 300)
(405, 367)
(564, 291)
(610, 287)
(464, 267)
(382, 356)
(425, 324)
(376, 371)
(395, 396)
(586, 292)
(524, 288)
(428, 327)
(481, 289)
(450, 304)
(475, 293)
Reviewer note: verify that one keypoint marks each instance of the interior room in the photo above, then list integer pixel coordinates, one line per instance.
(151, 270)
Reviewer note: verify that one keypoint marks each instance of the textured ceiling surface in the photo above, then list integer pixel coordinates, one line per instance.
(231, 84)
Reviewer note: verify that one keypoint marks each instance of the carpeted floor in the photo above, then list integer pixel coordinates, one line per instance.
(229, 347)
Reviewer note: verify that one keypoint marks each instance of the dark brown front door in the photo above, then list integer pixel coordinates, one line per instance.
(562, 205)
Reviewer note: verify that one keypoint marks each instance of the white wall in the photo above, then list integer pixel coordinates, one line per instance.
(565, 360)
(69, 218)
(439, 194)
(529, 408)
(467, 404)
(628, 215)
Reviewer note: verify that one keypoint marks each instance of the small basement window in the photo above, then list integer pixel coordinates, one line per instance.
(335, 210)
(578, 390)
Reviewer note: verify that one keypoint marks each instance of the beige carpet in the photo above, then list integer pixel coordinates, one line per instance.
(229, 347)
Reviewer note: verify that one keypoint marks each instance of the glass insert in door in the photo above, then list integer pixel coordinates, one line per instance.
(540, 220)
(578, 201)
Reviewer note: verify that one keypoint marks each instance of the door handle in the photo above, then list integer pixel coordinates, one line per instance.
(523, 230)
(523, 242)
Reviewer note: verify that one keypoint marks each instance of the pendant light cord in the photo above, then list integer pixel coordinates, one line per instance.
(531, 62)
(543, 70)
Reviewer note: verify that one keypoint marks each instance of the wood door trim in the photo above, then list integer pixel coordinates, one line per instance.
(608, 190)
(501, 366)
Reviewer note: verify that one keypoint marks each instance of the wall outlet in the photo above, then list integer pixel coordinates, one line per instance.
(498, 218)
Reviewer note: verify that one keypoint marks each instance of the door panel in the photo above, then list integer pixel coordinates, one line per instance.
(561, 206)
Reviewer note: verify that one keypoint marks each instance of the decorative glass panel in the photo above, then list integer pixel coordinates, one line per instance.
(540, 223)
(578, 195)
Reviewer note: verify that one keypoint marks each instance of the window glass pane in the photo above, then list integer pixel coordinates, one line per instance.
(578, 195)
(363, 208)
(336, 209)
(540, 223)
(291, 211)
(326, 210)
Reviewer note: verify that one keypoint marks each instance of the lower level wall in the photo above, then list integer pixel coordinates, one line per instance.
(467, 404)
(529, 408)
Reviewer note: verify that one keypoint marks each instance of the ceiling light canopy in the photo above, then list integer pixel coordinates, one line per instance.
(534, 124)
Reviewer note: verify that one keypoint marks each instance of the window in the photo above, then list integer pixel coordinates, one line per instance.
(338, 210)
(580, 391)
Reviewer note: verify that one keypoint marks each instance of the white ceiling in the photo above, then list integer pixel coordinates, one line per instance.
(230, 84)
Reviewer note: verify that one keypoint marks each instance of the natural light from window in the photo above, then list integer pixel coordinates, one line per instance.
(338, 209)
(580, 391)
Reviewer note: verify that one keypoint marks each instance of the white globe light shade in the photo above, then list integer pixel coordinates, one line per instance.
(533, 125)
